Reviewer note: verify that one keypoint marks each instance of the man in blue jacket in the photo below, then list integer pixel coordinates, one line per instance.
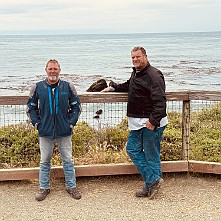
(147, 118)
(54, 109)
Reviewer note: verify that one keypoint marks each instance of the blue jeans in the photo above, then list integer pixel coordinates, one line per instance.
(46, 149)
(143, 147)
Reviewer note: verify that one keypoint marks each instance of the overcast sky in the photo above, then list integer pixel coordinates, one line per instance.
(108, 16)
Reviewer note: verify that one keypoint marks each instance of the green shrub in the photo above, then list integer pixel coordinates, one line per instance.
(19, 144)
(171, 145)
(206, 135)
(84, 136)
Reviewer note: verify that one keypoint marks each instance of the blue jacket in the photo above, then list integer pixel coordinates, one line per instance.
(53, 111)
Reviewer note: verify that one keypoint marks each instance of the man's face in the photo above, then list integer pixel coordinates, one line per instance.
(139, 60)
(53, 72)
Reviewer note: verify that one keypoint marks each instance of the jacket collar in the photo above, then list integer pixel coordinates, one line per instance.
(141, 72)
(53, 85)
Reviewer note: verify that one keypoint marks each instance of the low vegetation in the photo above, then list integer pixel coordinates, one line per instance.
(19, 144)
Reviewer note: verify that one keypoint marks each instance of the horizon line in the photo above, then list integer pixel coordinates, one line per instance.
(48, 34)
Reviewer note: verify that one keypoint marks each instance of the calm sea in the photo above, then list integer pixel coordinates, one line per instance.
(189, 61)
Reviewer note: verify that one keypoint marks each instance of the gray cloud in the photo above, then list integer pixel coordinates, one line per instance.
(115, 16)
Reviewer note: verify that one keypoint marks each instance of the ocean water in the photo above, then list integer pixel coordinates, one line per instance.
(189, 61)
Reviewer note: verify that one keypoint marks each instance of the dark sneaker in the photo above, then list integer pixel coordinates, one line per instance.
(142, 193)
(74, 193)
(153, 190)
(41, 195)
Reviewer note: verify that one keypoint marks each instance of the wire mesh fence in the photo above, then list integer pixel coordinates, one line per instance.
(205, 130)
(12, 115)
(97, 115)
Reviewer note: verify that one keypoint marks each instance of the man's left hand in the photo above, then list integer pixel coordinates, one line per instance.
(149, 125)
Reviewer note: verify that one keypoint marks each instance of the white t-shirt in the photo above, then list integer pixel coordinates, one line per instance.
(138, 123)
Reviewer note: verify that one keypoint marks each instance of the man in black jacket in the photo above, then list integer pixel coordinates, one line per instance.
(147, 119)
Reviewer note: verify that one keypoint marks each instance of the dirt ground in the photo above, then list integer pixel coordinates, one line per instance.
(182, 197)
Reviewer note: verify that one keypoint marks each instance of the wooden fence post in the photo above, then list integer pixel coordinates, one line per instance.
(186, 129)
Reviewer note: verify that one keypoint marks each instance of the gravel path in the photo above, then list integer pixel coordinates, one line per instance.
(110, 198)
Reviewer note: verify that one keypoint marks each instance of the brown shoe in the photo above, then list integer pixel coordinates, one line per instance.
(74, 193)
(41, 195)
(142, 193)
(153, 190)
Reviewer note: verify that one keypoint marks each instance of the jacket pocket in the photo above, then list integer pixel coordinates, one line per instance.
(63, 127)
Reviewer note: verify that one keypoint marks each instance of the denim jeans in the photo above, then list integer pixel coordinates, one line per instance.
(46, 149)
(143, 147)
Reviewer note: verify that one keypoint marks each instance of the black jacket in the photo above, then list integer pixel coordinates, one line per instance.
(146, 94)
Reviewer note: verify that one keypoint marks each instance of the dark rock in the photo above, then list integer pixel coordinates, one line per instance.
(99, 112)
(97, 86)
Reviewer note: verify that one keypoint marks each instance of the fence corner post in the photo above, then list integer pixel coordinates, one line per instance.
(186, 130)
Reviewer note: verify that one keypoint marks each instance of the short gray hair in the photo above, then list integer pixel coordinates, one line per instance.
(53, 61)
(137, 48)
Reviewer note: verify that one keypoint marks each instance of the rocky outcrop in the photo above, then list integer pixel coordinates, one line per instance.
(97, 86)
